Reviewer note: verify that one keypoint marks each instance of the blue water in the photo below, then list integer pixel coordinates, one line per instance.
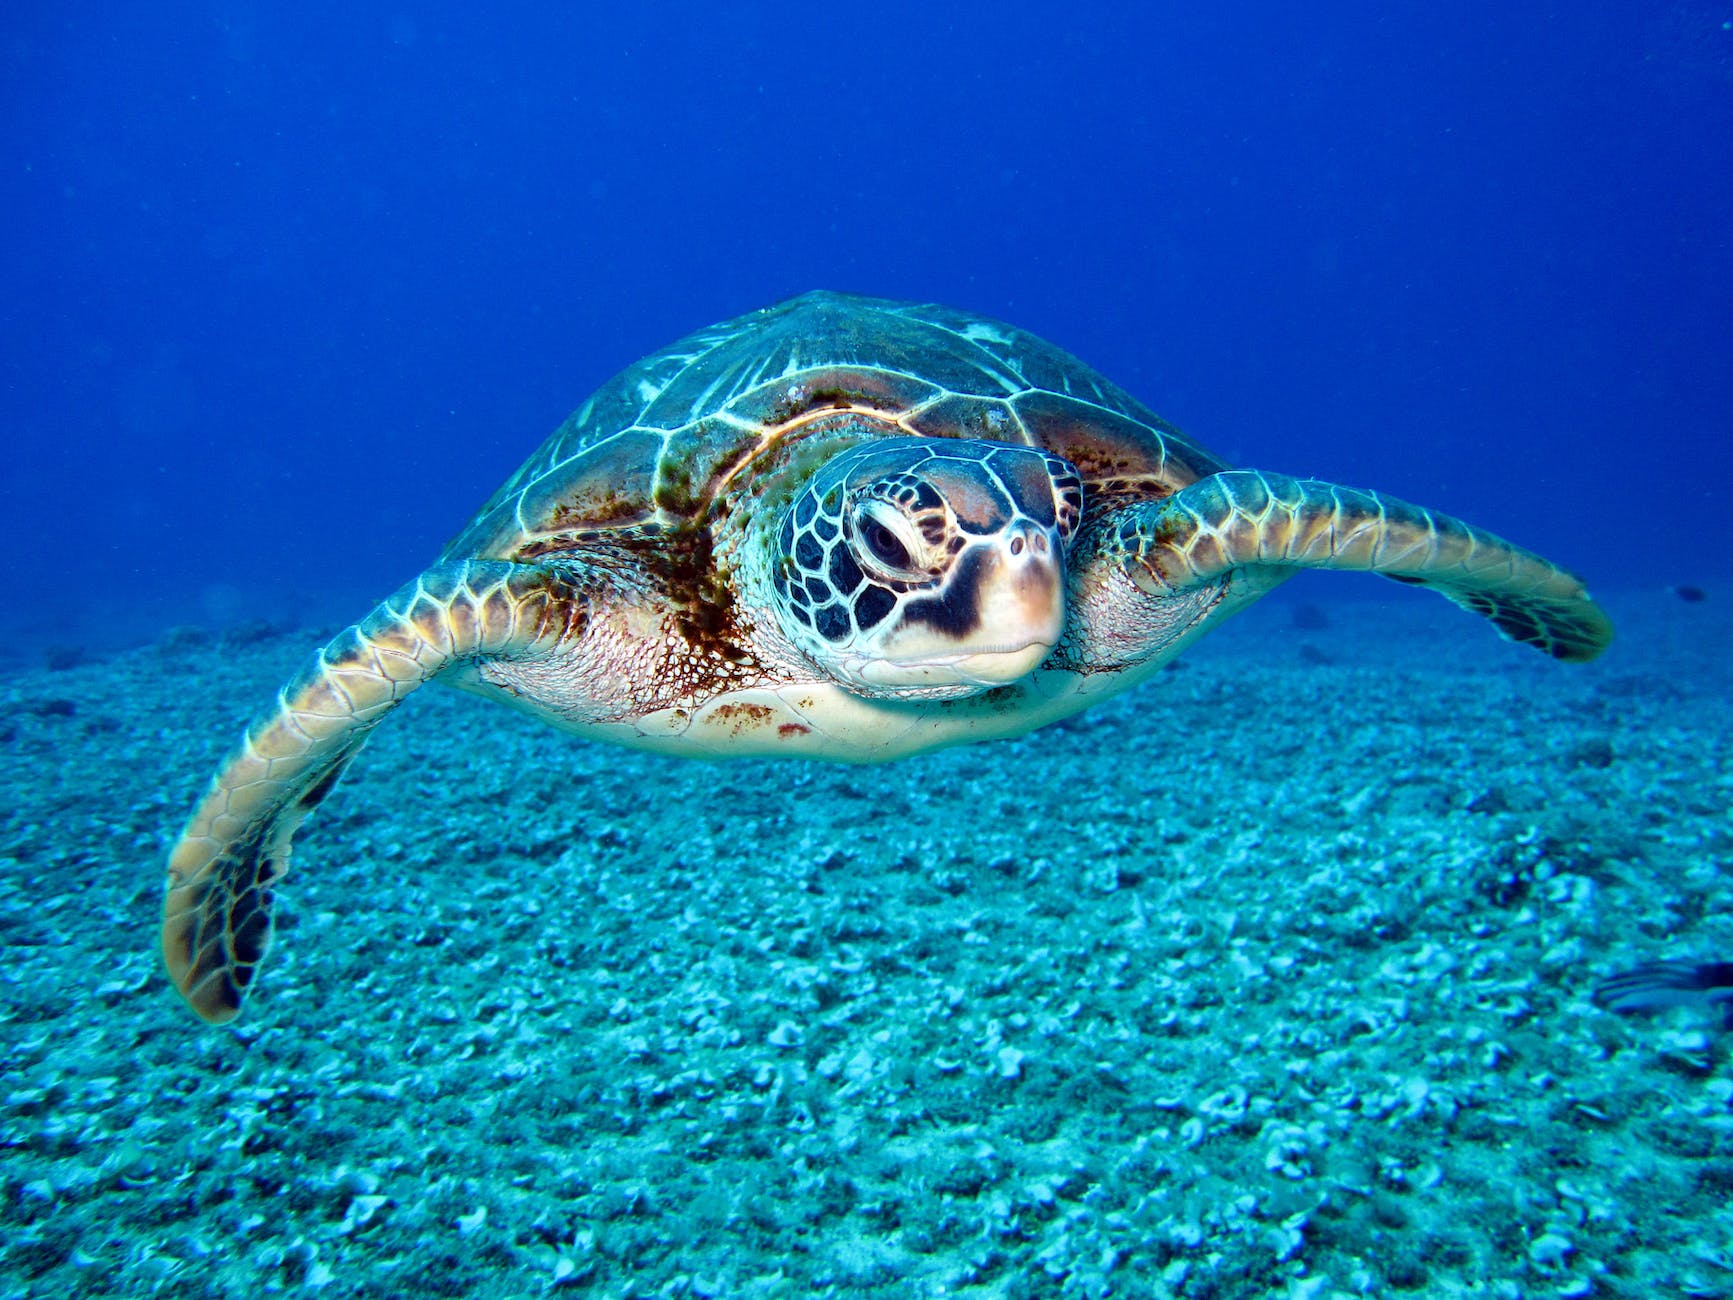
(287, 290)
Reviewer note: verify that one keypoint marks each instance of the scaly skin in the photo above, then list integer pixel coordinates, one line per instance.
(217, 916)
(1243, 519)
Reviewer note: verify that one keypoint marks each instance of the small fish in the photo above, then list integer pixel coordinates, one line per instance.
(1689, 594)
(1656, 985)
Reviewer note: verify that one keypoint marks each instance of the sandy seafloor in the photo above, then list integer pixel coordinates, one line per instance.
(1269, 979)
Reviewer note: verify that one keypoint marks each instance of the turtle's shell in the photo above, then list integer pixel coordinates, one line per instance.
(665, 439)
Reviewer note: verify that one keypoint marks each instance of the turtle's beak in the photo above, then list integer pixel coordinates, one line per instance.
(1021, 598)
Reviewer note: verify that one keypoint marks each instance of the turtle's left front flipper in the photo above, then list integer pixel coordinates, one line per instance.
(223, 870)
(1247, 519)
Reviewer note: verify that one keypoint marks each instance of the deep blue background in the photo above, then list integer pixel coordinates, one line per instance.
(287, 290)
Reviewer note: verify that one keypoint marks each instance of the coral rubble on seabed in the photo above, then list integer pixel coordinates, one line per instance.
(1270, 979)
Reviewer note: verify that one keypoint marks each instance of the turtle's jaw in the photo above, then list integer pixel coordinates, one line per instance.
(990, 668)
(955, 674)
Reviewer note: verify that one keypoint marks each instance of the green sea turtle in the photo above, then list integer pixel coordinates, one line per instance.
(836, 528)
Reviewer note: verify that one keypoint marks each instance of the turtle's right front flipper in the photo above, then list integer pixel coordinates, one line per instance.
(1247, 520)
(217, 916)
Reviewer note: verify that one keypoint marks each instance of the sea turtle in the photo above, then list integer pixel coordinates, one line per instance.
(840, 528)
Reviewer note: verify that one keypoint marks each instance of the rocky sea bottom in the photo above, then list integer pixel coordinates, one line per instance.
(1272, 978)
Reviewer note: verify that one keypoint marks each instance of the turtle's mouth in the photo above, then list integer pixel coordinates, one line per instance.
(999, 667)
(974, 669)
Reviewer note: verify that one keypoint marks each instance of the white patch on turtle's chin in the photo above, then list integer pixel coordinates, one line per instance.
(947, 676)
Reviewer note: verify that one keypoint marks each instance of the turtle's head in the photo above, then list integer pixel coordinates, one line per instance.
(929, 567)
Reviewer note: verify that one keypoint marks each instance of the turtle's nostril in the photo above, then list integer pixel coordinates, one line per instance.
(1027, 542)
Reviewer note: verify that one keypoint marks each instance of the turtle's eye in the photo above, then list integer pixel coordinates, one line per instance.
(886, 537)
(883, 543)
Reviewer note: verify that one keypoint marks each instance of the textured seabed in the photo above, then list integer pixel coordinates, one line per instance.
(1270, 979)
